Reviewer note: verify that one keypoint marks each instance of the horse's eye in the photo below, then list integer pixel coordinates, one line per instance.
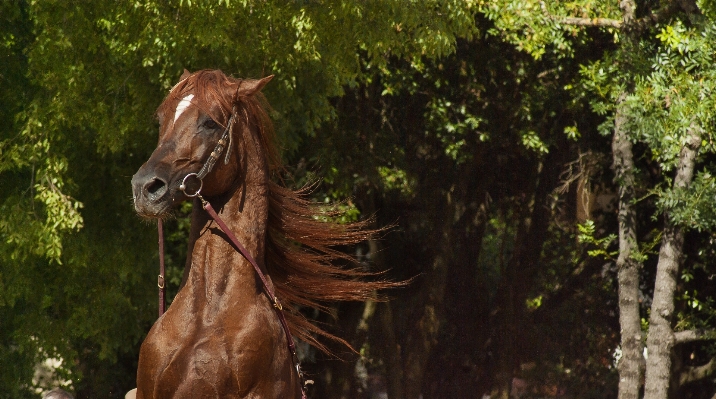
(210, 124)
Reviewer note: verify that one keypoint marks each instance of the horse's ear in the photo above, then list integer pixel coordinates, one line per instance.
(249, 87)
(184, 75)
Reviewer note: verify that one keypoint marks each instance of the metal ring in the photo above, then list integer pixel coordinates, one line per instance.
(182, 186)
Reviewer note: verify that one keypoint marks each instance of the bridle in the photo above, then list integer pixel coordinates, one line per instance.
(205, 170)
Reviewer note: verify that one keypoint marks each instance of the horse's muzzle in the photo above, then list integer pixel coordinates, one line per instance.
(150, 193)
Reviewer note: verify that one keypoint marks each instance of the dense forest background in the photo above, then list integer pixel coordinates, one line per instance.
(546, 165)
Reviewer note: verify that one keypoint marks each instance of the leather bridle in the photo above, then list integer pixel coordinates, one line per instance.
(205, 170)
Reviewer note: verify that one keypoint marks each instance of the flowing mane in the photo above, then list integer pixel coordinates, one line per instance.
(302, 236)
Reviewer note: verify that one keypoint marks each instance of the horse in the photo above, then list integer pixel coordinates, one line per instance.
(225, 334)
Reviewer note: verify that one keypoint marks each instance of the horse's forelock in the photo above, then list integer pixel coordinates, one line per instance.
(204, 87)
(215, 88)
(171, 101)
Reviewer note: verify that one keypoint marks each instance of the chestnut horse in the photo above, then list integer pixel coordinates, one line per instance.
(222, 337)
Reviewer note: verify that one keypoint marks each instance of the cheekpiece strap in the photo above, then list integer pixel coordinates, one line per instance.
(220, 146)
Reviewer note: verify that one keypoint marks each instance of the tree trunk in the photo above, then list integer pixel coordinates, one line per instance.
(338, 379)
(390, 349)
(631, 364)
(660, 339)
(391, 353)
(453, 369)
(424, 331)
(518, 280)
(383, 322)
(508, 324)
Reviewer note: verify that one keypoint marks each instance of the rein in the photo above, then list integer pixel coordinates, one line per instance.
(160, 280)
(205, 170)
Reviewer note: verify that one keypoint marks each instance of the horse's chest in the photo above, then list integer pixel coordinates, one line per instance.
(226, 353)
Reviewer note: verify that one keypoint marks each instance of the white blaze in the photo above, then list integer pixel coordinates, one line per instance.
(183, 105)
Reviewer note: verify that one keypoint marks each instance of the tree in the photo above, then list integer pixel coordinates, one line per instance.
(625, 88)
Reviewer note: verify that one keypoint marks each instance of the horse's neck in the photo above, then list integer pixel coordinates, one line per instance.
(215, 266)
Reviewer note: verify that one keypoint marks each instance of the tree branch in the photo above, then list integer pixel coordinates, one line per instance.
(599, 22)
(658, 16)
(628, 7)
(700, 334)
(698, 373)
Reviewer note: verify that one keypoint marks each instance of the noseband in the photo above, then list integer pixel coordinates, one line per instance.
(205, 170)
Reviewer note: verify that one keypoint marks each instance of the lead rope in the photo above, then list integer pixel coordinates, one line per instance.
(160, 279)
(208, 166)
(267, 288)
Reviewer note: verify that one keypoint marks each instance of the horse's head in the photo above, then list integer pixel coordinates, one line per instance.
(193, 118)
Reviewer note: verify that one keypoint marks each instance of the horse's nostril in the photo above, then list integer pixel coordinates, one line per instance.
(155, 189)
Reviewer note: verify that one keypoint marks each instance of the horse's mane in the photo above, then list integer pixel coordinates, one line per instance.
(302, 237)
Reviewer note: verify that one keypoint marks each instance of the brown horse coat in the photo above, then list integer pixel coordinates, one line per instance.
(221, 338)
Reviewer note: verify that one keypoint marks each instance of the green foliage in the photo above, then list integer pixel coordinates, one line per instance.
(677, 95)
(531, 140)
(80, 82)
(600, 85)
(396, 179)
(534, 26)
(450, 123)
(691, 207)
(675, 98)
(698, 309)
(586, 236)
(497, 249)
(534, 303)
(572, 132)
